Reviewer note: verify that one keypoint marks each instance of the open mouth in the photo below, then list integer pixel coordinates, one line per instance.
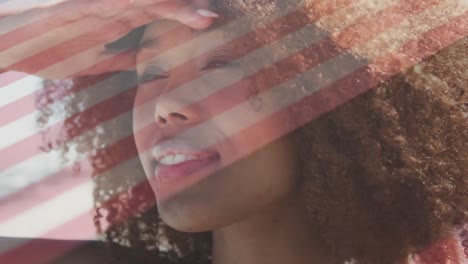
(176, 174)
(176, 166)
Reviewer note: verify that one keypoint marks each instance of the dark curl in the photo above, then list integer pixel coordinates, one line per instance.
(386, 172)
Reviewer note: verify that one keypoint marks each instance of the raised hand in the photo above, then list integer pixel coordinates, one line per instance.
(65, 38)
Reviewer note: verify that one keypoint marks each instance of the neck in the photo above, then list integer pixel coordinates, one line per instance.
(279, 234)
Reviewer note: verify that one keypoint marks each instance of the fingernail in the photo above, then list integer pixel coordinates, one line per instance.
(206, 13)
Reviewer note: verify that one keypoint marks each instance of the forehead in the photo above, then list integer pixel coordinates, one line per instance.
(168, 43)
(164, 32)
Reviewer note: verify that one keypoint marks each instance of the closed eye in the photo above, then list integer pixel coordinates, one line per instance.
(221, 58)
(217, 64)
(148, 77)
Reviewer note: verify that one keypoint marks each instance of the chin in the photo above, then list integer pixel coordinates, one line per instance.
(200, 207)
(191, 212)
(187, 216)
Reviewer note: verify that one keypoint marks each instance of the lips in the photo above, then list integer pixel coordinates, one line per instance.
(168, 173)
(172, 152)
(179, 163)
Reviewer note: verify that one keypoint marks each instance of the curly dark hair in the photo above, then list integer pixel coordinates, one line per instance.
(383, 175)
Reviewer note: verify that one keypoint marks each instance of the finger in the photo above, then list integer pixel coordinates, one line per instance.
(184, 13)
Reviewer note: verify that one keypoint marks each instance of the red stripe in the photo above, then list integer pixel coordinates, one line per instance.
(367, 27)
(44, 59)
(321, 8)
(88, 119)
(9, 77)
(29, 31)
(19, 108)
(40, 251)
(27, 104)
(423, 46)
(44, 190)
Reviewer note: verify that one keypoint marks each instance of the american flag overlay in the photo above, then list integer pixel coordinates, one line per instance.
(346, 47)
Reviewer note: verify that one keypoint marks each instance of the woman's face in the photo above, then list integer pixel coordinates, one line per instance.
(197, 130)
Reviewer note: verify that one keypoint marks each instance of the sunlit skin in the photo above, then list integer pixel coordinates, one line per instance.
(251, 204)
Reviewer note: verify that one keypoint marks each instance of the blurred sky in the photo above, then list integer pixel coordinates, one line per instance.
(29, 180)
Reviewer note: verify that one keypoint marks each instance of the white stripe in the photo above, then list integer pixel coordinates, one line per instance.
(22, 178)
(19, 129)
(30, 171)
(15, 7)
(23, 127)
(348, 15)
(23, 51)
(18, 89)
(244, 117)
(393, 38)
(64, 208)
(14, 22)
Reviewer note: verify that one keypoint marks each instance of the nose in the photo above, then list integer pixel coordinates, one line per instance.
(170, 110)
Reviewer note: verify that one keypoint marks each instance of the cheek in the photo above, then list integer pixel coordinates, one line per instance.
(144, 129)
(262, 178)
(266, 169)
(144, 106)
(255, 139)
(274, 167)
(250, 130)
(141, 119)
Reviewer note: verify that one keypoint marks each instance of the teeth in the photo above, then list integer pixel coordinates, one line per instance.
(176, 159)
